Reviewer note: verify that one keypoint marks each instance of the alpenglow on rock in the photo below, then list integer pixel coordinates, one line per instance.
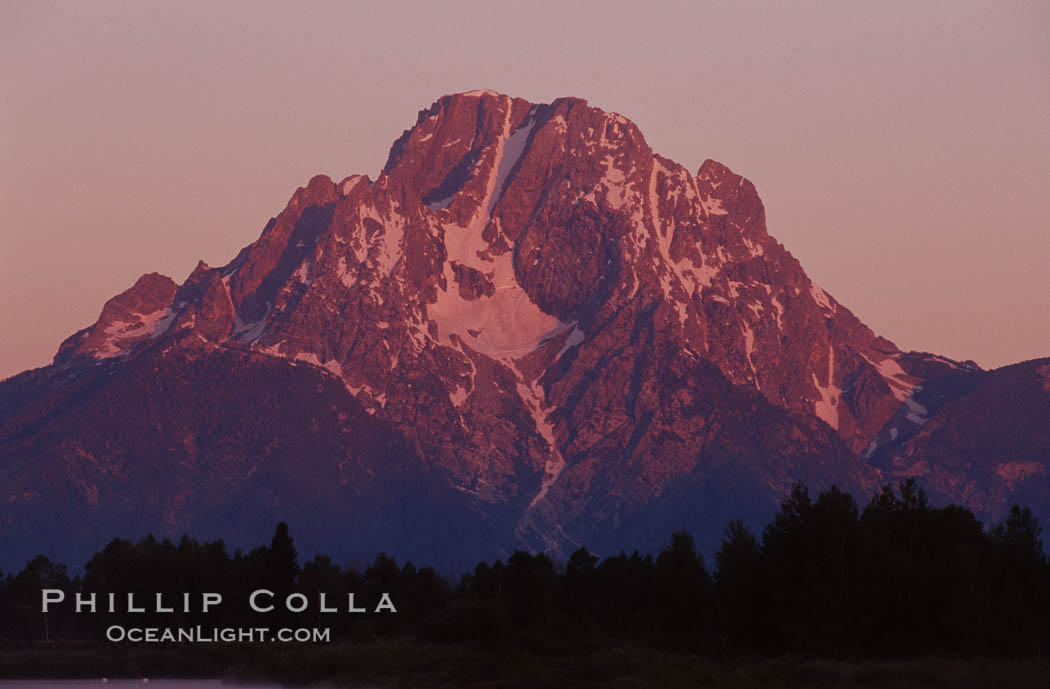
(530, 331)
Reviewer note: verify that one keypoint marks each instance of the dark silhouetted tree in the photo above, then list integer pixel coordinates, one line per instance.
(282, 562)
(738, 582)
(685, 604)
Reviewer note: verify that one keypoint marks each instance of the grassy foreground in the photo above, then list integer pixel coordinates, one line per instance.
(402, 663)
(471, 667)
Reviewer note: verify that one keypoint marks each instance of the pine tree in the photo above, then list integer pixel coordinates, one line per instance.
(283, 562)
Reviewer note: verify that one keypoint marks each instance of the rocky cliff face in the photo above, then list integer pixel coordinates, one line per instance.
(576, 338)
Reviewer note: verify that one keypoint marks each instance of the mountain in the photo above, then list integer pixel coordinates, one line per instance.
(530, 331)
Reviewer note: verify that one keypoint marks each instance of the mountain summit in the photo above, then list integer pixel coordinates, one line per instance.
(529, 331)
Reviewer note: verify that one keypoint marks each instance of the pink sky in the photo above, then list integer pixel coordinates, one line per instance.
(902, 149)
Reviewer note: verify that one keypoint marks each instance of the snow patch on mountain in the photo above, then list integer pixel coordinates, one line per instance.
(689, 278)
(441, 204)
(533, 398)
(900, 382)
(917, 413)
(122, 336)
(827, 407)
(576, 337)
(506, 325)
(510, 151)
(821, 297)
(348, 184)
(713, 206)
(250, 332)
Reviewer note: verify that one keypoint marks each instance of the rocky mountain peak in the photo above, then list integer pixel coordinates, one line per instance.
(140, 313)
(500, 226)
(564, 325)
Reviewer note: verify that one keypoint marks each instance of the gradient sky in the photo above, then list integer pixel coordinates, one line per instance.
(902, 149)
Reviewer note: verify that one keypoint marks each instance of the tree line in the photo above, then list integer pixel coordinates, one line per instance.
(900, 577)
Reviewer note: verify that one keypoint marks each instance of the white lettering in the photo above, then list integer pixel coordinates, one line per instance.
(160, 604)
(49, 596)
(352, 608)
(303, 603)
(261, 592)
(210, 600)
(83, 602)
(132, 608)
(385, 604)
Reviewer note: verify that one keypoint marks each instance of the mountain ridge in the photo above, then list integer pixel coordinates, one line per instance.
(564, 325)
